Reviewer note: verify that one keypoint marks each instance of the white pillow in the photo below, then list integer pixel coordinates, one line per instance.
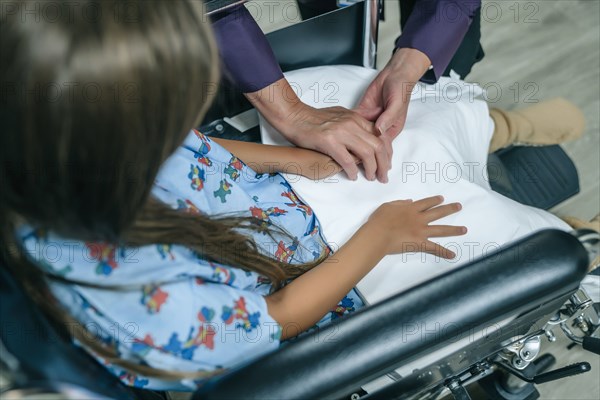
(442, 150)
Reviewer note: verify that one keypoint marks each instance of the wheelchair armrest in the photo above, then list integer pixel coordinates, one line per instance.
(380, 338)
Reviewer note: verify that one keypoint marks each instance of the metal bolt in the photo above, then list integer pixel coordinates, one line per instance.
(527, 354)
(453, 385)
(219, 128)
(581, 324)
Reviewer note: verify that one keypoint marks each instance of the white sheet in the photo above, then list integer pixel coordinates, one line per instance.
(442, 150)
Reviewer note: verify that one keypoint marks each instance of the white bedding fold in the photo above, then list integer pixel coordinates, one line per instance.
(442, 150)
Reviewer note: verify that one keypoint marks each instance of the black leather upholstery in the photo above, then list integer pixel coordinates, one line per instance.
(537, 176)
(330, 39)
(375, 340)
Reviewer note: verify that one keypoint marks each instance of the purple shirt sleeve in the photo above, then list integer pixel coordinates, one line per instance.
(244, 49)
(437, 27)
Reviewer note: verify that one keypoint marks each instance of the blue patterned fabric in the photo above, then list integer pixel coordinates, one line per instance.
(172, 309)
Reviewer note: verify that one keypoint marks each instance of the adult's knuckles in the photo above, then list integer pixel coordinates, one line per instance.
(379, 146)
(364, 152)
(346, 161)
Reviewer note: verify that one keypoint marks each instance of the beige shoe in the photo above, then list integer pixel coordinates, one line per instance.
(549, 122)
(576, 223)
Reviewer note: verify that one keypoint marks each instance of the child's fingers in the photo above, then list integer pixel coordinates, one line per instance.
(428, 202)
(437, 250)
(436, 213)
(445, 230)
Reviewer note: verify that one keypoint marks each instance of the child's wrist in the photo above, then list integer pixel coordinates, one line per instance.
(374, 239)
(317, 166)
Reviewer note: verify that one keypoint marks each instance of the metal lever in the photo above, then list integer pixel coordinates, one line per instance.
(564, 372)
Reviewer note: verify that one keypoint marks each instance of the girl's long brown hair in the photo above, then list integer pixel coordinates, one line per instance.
(94, 98)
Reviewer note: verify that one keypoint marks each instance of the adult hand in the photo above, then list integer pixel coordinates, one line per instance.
(386, 100)
(344, 135)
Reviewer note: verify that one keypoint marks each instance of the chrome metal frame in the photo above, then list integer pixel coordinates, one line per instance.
(370, 32)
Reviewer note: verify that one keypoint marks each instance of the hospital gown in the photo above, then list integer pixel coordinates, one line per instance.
(175, 310)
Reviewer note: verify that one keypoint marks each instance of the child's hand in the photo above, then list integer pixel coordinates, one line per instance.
(403, 226)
